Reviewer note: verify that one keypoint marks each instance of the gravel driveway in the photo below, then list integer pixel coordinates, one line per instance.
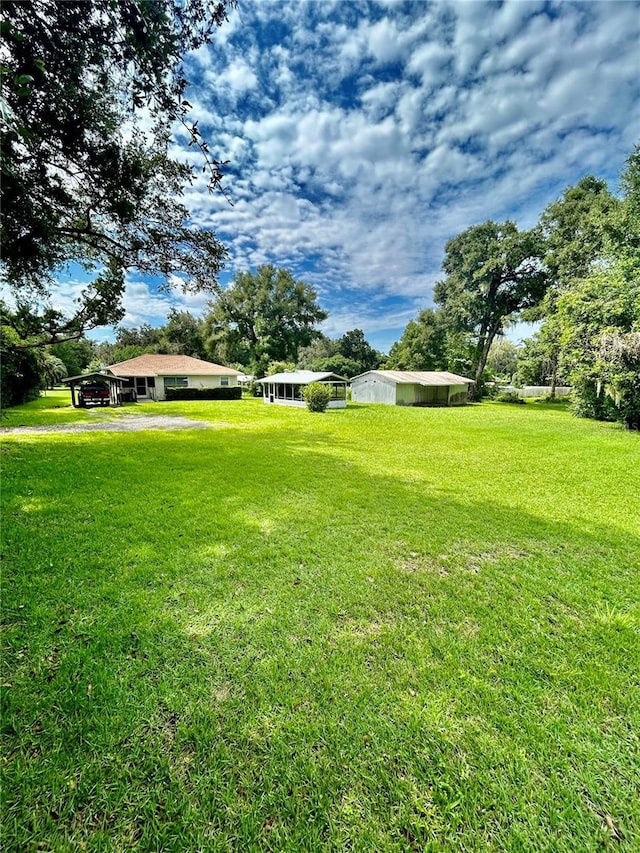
(124, 423)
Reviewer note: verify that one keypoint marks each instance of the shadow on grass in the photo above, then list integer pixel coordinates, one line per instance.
(253, 642)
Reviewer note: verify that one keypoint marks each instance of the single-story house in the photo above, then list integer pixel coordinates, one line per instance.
(150, 375)
(286, 388)
(410, 388)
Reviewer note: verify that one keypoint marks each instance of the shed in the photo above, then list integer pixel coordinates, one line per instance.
(148, 376)
(98, 388)
(410, 388)
(285, 389)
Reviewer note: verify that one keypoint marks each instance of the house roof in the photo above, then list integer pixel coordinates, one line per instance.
(420, 377)
(169, 365)
(302, 377)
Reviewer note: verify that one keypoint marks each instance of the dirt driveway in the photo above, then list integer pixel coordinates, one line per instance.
(124, 423)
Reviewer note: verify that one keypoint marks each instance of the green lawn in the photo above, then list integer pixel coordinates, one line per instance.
(376, 629)
(53, 407)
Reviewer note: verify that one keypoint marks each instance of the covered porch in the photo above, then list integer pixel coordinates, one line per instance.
(285, 389)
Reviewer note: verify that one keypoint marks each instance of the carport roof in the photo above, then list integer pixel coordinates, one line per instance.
(107, 377)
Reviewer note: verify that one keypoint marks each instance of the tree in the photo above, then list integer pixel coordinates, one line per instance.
(593, 314)
(321, 348)
(75, 355)
(493, 272)
(280, 367)
(539, 357)
(182, 334)
(52, 369)
(355, 347)
(145, 336)
(575, 231)
(20, 374)
(619, 363)
(503, 358)
(263, 316)
(82, 181)
(592, 310)
(422, 345)
(339, 364)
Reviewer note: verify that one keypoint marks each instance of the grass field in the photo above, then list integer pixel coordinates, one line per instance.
(376, 629)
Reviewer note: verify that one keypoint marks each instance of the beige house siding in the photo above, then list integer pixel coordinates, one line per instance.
(197, 382)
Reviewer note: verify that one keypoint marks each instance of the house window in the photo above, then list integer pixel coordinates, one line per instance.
(224, 381)
(176, 382)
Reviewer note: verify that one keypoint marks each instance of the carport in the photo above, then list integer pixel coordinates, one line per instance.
(76, 384)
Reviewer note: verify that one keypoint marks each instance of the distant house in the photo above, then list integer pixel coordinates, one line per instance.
(410, 388)
(149, 376)
(285, 389)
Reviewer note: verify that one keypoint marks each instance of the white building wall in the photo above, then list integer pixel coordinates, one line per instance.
(371, 388)
(197, 382)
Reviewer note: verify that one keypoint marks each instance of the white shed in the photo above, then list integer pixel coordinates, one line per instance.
(286, 388)
(410, 388)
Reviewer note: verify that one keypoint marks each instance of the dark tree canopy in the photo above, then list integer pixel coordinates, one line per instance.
(493, 272)
(591, 316)
(422, 345)
(347, 356)
(354, 346)
(183, 334)
(575, 230)
(262, 317)
(82, 182)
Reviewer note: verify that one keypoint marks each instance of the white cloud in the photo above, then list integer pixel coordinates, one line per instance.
(238, 76)
(363, 137)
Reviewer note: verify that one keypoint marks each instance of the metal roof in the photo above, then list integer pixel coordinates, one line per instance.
(302, 377)
(420, 377)
(96, 374)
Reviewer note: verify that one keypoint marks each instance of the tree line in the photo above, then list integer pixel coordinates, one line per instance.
(263, 323)
(576, 273)
(94, 93)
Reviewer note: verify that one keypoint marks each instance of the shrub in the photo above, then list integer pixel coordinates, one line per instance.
(234, 393)
(317, 396)
(509, 397)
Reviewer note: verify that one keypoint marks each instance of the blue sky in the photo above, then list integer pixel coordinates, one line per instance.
(362, 136)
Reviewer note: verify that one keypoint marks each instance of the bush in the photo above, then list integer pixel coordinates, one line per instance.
(253, 389)
(234, 393)
(20, 370)
(317, 396)
(510, 397)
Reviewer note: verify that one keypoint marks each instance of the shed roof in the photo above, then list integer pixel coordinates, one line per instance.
(302, 377)
(169, 365)
(420, 377)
